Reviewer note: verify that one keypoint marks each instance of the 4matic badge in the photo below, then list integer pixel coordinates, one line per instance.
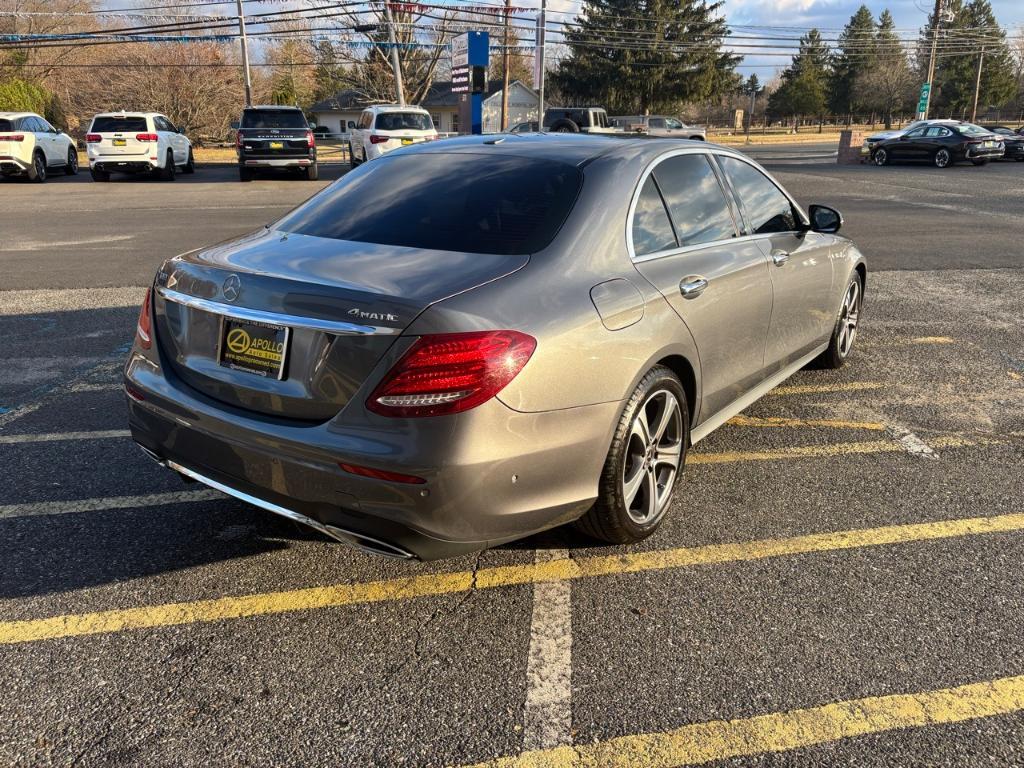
(364, 315)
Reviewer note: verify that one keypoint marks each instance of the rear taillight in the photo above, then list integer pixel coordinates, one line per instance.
(238, 139)
(93, 138)
(144, 328)
(451, 372)
(13, 137)
(310, 141)
(146, 137)
(379, 139)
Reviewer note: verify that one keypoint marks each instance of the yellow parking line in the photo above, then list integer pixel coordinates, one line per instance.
(223, 608)
(777, 421)
(782, 731)
(813, 389)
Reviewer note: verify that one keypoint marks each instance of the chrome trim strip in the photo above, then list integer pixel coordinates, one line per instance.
(339, 327)
(744, 401)
(349, 538)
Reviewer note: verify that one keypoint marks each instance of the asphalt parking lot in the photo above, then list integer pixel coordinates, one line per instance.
(839, 583)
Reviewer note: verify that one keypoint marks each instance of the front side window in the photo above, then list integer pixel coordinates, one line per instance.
(445, 202)
(674, 124)
(916, 133)
(651, 226)
(766, 206)
(695, 199)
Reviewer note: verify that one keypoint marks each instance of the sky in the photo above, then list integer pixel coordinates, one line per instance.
(910, 16)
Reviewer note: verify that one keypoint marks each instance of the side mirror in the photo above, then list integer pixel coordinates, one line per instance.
(904, 137)
(235, 125)
(312, 125)
(824, 219)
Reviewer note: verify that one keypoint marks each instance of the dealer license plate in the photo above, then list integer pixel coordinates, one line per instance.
(406, 141)
(277, 145)
(258, 348)
(118, 142)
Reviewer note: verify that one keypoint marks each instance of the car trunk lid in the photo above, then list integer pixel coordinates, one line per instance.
(339, 305)
(275, 142)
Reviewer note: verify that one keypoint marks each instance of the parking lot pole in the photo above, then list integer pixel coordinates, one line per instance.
(396, 66)
(245, 55)
(505, 69)
(541, 39)
(931, 58)
(977, 84)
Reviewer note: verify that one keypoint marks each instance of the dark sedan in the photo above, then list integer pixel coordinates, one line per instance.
(1012, 139)
(941, 145)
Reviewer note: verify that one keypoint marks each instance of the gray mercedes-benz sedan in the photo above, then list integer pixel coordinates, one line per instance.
(472, 340)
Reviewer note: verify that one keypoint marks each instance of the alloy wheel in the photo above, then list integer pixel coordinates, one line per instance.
(942, 158)
(849, 315)
(881, 157)
(653, 454)
(40, 167)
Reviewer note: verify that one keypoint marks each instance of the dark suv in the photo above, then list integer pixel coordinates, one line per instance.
(274, 137)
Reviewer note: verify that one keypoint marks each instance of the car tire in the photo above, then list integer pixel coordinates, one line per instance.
(640, 473)
(880, 157)
(167, 173)
(980, 162)
(312, 172)
(71, 169)
(37, 171)
(190, 164)
(840, 345)
(697, 138)
(99, 175)
(352, 155)
(942, 159)
(244, 174)
(564, 125)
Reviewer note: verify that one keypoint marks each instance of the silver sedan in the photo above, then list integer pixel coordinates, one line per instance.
(474, 340)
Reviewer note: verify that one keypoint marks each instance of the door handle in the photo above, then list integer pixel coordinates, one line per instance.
(780, 257)
(692, 287)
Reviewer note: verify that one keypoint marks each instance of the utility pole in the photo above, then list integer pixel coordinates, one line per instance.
(395, 64)
(505, 69)
(977, 84)
(750, 118)
(542, 34)
(245, 55)
(931, 59)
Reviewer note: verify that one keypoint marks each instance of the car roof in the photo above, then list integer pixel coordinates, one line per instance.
(572, 148)
(122, 113)
(16, 115)
(395, 108)
(274, 107)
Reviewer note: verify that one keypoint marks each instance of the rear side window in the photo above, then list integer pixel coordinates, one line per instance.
(767, 208)
(447, 202)
(651, 227)
(403, 121)
(6, 125)
(273, 118)
(119, 125)
(695, 199)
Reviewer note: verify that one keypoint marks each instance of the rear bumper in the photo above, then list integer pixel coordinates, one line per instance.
(277, 162)
(990, 153)
(490, 475)
(10, 164)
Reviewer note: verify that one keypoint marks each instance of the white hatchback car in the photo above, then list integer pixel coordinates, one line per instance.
(31, 146)
(384, 127)
(135, 142)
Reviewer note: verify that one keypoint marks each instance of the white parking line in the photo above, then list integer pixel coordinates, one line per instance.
(83, 378)
(50, 437)
(910, 442)
(548, 715)
(39, 508)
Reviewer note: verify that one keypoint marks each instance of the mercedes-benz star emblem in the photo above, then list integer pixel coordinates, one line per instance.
(231, 287)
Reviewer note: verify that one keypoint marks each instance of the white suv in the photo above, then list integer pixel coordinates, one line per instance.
(134, 142)
(31, 146)
(384, 127)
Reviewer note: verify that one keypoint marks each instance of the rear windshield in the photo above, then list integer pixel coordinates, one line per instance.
(973, 130)
(473, 203)
(403, 121)
(273, 118)
(6, 125)
(118, 124)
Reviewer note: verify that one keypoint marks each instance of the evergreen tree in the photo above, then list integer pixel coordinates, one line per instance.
(753, 86)
(804, 87)
(635, 56)
(887, 85)
(855, 56)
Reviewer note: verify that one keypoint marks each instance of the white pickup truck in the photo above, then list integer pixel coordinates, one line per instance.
(659, 125)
